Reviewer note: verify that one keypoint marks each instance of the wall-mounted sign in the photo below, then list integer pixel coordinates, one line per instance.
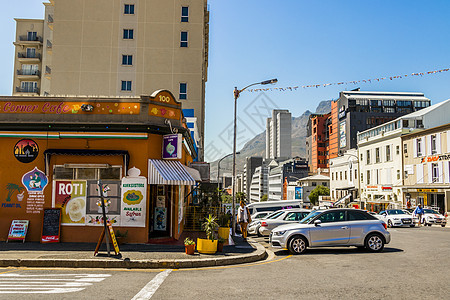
(18, 230)
(172, 146)
(387, 188)
(298, 192)
(427, 190)
(134, 200)
(70, 196)
(26, 150)
(434, 158)
(35, 182)
(342, 135)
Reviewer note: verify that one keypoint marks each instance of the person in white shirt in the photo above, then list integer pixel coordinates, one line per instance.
(243, 218)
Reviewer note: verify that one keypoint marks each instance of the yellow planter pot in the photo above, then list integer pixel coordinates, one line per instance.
(206, 246)
(224, 232)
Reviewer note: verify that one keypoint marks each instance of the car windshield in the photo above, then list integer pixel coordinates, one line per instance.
(407, 212)
(311, 215)
(430, 211)
(275, 215)
(395, 212)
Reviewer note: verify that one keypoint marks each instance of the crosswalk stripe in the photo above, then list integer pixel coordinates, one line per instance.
(150, 288)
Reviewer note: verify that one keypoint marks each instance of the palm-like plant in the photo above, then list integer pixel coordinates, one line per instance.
(11, 187)
(210, 226)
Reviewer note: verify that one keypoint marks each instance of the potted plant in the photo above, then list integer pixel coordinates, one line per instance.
(208, 245)
(224, 228)
(121, 236)
(189, 246)
(220, 242)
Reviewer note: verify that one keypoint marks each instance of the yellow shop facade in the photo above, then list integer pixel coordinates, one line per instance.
(63, 152)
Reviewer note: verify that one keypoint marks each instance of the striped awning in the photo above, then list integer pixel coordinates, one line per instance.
(167, 172)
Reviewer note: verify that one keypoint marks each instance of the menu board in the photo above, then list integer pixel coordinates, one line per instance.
(18, 230)
(51, 225)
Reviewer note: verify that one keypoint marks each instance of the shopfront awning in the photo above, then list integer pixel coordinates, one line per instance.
(168, 173)
(194, 173)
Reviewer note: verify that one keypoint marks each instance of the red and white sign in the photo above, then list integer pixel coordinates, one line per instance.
(18, 230)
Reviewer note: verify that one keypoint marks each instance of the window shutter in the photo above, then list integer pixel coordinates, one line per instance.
(446, 171)
(414, 147)
(419, 173)
(430, 173)
(428, 145)
(423, 144)
(438, 143)
(448, 141)
(440, 172)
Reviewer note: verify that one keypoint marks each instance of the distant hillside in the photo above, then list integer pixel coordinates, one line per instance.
(257, 145)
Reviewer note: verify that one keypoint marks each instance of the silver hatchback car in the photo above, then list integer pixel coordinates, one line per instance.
(332, 227)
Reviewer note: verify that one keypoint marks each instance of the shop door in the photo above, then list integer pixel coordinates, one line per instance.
(160, 210)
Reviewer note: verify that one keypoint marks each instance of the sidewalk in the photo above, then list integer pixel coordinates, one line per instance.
(132, 256)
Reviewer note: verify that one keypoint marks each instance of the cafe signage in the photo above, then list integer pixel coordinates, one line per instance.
(172, 146)
(434, 158)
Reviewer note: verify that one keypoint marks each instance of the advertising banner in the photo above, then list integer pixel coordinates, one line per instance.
(134, 200)
(342, 135)
(70, 196)
(298, 193)
(18, 230)
(172, 146)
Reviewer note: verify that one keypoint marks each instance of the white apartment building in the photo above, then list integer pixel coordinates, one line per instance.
(381, 157)
(278, 135)
(344, 176)
(259, 185)
(427, 168)
(116, 48)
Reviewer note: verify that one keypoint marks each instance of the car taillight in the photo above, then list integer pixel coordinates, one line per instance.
(263, 224)
(385, 225)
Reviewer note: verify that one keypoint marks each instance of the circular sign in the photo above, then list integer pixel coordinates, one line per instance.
(26, 150)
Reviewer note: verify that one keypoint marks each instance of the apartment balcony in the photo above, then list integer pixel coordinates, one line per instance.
(48, 72)
(28, 75)
(28, 57)
(50, 21)
(25, 39)
(27, 90)
(49, 47)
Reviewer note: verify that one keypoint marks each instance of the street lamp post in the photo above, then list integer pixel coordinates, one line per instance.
(233, 191)
(359, 175)
(218, 171)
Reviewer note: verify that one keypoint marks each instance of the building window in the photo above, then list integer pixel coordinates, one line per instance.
(405, 148)
(419, 146)
(356, 174)
(127, 60)
(185, 14)
(388, 153)
(183, 91)
(29, 86)
(398, 174)
(128, 9)
(340, 175)
(345, 175)
(184, 39)
(314, 183)
(397, 150)
(128, 34)
(32, 36)
(362, 177)
(377, 155)
(368, 157)
(435, 172)
(324, 183)
(433, 144)
(126, 85)
(332, 176)
(368, 176)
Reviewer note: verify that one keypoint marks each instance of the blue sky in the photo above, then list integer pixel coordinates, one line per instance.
(300, 43)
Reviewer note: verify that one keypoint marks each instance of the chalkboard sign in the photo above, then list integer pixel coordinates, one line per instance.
(51, 225)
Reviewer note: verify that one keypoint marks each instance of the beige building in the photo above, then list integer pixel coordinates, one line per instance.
(116, 48)
(427, 168)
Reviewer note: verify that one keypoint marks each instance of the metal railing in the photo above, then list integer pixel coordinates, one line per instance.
(29, 73)
(27, 90)
(28, 55)
(26, 38)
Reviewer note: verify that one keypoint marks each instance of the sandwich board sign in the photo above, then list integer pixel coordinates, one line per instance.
(18, 230)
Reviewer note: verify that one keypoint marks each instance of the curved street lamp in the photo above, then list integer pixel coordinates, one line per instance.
(218, 171)
(233, 191)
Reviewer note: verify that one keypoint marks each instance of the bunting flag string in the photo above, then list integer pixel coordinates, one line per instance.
(294, 88)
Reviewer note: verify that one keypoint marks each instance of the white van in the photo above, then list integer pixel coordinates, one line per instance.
(273, 205)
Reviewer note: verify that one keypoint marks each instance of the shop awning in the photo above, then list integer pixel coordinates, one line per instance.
(168, 173)
(342, 200)
(194, 173)
(85, 152)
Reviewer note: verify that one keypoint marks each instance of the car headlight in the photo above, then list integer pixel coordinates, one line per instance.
(396, 219)
(280, 232)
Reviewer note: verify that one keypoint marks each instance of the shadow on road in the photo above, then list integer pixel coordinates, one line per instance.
(336, 251)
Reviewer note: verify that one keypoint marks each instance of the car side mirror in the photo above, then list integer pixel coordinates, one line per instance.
(317, 222)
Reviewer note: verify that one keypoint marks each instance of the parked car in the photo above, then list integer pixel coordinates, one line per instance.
(260, 215)
(332, 227)
(396, 217)
(253, 227)
(415, 219)
(287, 216)
(430, 217)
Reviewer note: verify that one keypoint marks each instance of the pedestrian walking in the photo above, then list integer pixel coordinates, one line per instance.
(244, 218)
(419, 213)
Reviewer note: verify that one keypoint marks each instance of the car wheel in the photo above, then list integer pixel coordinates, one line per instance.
(389, 224)
(429, 224)
(374, 243)
(412, 225)
(297, 245)
(442, 225)
(257, 232)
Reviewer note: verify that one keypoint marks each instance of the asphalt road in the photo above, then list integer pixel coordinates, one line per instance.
(416, 265)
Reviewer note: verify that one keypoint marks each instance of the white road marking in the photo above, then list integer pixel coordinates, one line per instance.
(150, 288)
(11, 283)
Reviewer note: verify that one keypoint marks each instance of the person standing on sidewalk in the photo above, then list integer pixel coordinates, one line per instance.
(419, 213)
(244, 218)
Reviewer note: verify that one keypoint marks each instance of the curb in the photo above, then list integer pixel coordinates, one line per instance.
(257, 255)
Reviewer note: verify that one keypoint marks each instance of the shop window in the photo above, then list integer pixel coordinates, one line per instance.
(185, 14)
(128, 9)
(184, 39)
(87, 171)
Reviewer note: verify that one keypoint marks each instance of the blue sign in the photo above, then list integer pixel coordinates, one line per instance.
(172, 146)
(298, 193)
(35, 180)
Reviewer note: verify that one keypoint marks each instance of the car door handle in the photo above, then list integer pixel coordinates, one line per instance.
(344, 227)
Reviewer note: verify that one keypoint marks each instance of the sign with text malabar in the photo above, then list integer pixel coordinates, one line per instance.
(18, 230)
(172, 146)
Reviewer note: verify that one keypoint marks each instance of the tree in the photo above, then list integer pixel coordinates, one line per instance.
(264, 197)
(240, 196)
(318, 191)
